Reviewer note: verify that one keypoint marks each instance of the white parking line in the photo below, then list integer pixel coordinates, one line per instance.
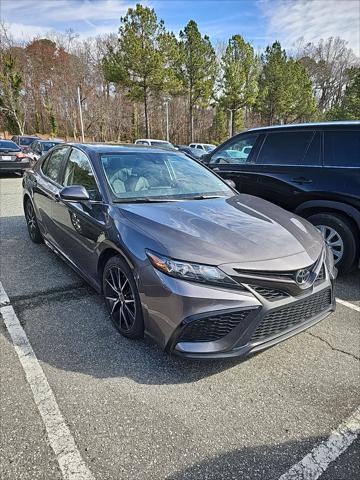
(61, 441)
(4, 299)
(348, 304)
(316, 462)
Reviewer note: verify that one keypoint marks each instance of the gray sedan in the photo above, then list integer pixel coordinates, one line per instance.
(177, 253)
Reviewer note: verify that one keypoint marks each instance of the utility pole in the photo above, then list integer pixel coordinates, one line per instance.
(167, 118)
(80, 113)
(230, 122)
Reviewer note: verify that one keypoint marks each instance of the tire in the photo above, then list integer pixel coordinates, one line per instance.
(328, 223)
(122, 298)
(32, 224)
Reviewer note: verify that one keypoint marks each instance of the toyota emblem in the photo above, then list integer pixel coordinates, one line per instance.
(302, 276)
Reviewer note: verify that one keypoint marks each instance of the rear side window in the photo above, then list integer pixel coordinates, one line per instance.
(285, 148)
(52, 165)
(342, 148)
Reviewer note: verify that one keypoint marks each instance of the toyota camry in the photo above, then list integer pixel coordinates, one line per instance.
(177, 253)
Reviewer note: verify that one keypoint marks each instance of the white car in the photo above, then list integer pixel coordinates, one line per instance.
(207, 147)
(150, 142)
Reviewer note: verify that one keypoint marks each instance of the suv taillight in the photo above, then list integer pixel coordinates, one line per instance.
(21, 155)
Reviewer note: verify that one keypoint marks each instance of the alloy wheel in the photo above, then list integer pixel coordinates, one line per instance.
(120, 298)
(333, 240)
(31, 219)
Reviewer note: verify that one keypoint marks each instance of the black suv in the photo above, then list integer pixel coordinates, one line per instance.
(311, 169)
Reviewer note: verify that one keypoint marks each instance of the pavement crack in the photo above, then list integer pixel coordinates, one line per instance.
(332, 347)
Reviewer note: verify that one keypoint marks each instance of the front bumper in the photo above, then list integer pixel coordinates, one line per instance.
(198, 321)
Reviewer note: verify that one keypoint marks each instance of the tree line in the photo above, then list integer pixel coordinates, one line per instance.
(128, 80)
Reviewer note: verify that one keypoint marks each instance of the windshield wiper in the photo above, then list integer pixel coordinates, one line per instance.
(144, 200)
(204, 197)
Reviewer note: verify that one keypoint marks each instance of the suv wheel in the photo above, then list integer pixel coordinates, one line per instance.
(340, 234)
(122, 298)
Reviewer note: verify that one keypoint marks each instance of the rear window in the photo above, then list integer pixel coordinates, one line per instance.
(26, 140)
(9, 145)
(342, 148)
(286, 148)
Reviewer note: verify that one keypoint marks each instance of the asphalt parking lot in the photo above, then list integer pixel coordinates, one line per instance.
(135, 413)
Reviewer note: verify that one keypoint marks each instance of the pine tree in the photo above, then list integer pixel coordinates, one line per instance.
(197, 69)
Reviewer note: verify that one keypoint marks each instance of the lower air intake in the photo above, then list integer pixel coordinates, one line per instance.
(213, 327)
(286, 318)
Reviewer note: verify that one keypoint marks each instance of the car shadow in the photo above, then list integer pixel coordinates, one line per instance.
(252, 463)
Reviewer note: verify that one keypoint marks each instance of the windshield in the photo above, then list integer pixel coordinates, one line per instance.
(8, 145)
(26, 140)
(147, 175)
(161, 143)
(209, 147)
(47, 145)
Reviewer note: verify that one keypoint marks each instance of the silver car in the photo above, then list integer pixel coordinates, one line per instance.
(177, 253)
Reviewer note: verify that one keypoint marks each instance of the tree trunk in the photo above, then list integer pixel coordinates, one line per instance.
(147, 125)
(191, 118)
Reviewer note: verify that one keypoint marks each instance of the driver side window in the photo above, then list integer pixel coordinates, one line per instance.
(78, 171)
(235, 152)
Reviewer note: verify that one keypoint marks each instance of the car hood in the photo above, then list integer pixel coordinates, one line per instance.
(244, 231)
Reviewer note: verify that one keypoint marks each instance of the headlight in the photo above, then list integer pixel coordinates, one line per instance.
(329, 260)
(193, 272)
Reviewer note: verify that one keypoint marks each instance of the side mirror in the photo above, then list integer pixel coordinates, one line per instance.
(230, 182)
(75, 193)
(205, 158)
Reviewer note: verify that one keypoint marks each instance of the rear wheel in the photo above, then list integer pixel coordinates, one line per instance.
(122, 298)
(32, 225)
(341, 236)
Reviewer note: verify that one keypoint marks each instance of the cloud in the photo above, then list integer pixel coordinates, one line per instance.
(312, 20)
(50, 11)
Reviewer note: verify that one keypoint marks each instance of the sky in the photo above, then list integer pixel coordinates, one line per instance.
(260, 22)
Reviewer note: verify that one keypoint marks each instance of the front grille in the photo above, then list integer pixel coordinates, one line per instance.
(213, 327)
(285, 318)
(269, 293)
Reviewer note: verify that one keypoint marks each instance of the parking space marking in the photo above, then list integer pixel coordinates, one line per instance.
(61, 440)
(4, 299)
(316, 462)
(348, 304)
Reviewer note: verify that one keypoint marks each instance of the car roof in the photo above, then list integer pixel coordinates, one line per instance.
(150, 140)
(347, 123)
(103, 148)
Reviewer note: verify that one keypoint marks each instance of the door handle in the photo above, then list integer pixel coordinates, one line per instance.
(216, 169)
(301, 180)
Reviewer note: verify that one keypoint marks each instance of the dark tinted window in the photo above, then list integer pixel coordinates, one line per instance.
(4, 144)
(78, 172)
(285, 148)
(342, 148)
(52, 165)
(312, 156)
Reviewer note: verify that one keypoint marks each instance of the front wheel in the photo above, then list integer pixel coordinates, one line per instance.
(122, 298)
(341, 236)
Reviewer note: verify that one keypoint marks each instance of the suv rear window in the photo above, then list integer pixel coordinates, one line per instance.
(342, 148)
(285, 148)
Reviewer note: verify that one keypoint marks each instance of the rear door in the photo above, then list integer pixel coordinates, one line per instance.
(289, 167)
(46, 190)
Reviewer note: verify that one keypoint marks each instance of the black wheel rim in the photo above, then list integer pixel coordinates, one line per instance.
(120, 298)
(31, 219)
